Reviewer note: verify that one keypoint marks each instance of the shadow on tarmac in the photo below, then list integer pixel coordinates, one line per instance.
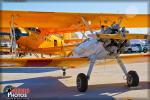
(28, 70)
(51, 88)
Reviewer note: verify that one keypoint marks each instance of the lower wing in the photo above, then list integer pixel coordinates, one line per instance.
(43, 62)
(59, 50)
(67, 62)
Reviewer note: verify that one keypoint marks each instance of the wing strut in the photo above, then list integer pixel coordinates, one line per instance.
(13, 38)
(87, 25)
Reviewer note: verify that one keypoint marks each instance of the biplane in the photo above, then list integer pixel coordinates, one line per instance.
(98, 46)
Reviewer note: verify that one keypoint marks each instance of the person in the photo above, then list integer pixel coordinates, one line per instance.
(123, 31)
(105, 31)
(108, 30)
(115, 28)
(102, 29)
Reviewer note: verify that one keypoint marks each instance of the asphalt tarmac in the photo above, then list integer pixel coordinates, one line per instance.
(106, 82)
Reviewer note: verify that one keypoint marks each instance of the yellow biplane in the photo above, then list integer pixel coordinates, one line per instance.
(99, 46)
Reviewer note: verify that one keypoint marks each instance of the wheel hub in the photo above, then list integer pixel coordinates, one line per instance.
(130, 79)
(79, 83)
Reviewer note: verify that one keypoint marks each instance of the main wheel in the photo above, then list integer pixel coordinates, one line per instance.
(82, 82)
(132, 79)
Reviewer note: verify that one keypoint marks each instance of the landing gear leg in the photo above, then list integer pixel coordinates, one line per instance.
(82, 79)
(131, 76)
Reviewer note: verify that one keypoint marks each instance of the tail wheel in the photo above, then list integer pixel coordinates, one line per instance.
(132, 79)
(82, 82)
(64, 72)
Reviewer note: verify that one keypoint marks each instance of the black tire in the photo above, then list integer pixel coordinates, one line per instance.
(64, 73)
(129, 51)
(145, 50)
(132, 79)
(82, 82)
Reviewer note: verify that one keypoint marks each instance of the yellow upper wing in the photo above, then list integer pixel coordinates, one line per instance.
(58, 20)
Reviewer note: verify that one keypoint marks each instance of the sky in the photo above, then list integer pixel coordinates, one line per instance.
(82, 6)
(138, 7)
